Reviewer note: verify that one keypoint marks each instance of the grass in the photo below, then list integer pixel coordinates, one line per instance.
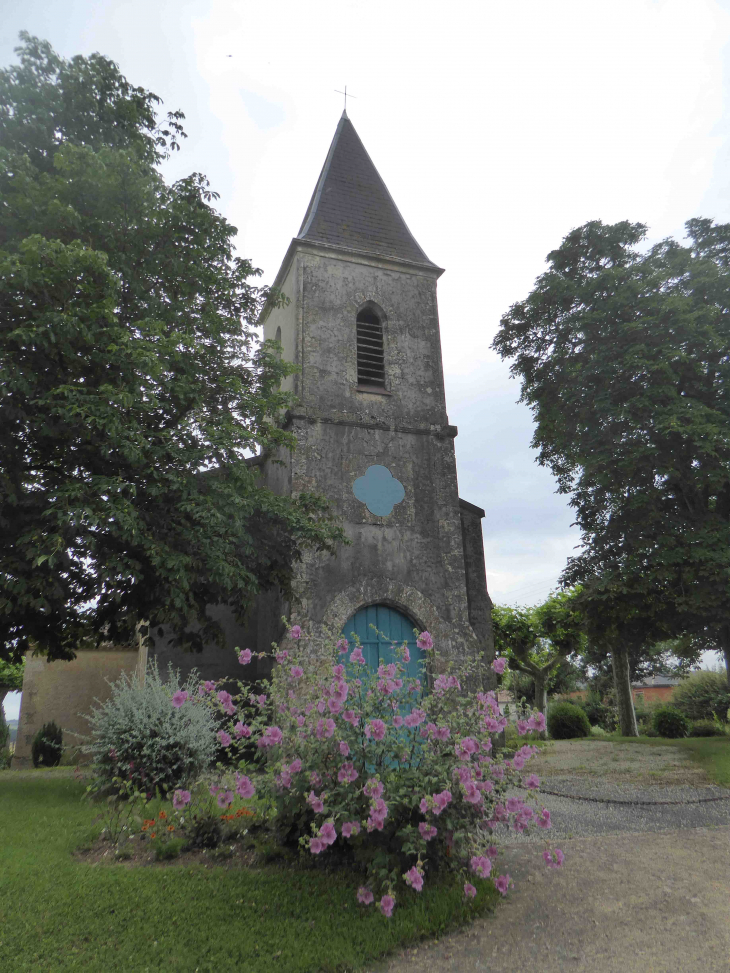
(59, 914)
(711, 753)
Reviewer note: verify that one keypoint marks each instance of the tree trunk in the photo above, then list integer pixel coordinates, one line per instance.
(725, 645)
(540, 679)
(622, 682)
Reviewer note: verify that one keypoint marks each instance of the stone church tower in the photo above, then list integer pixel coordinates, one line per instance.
(370, 420)
(373, 437)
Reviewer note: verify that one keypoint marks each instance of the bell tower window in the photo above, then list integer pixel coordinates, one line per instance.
(370, 350)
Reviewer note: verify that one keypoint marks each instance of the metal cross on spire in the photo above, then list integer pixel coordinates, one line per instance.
(345, 94)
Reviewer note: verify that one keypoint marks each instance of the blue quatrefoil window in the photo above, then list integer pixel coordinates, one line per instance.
(379, 490)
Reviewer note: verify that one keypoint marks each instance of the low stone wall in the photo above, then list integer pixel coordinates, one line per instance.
(64, 692)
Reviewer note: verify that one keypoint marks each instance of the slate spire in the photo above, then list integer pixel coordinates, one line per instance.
(351, 206)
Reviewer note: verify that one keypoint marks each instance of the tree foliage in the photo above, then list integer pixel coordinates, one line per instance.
(623, 358)
(132, 384)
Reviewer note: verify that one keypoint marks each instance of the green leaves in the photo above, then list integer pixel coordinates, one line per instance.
(132, 383)
(623, 358)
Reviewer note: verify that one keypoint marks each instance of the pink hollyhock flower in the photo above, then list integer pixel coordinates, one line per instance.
(373, 788)
(492, 852)
(315, 802)
(440, 801)
(414, 878)
(499, 665)
(357, 656)
(282, 656)
(365, 896)
(224, 738)
(442, 733)
(295, 766)
(518, 762)
(397, 722)
(427, 831)
(226, 701)
(244, 786)
(532, 782)
(209, 686)
(406, 654)
(386, 905)
(514, 804)
(225, 799)
(347, 773)
(350, 717)
(327, 833)
(342, 646)
(543, 820)
(244, 657)
(502, 883)
(334, 706)
(316, 845)
(350, 828)
(344, 748)
(314, 779)
(179, 698)
(296, 632)
(481, 865)
(375, 729)
(540, 721)
(469, 890)
(272, 737)
(296, 672)
(261, 700)
(180, 799)
(241, 730)
(424, 805)
(415, 718)
(424, 641)
(338, 671)
(472, 794)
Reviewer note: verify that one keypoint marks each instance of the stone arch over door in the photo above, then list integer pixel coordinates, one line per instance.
(394, 594)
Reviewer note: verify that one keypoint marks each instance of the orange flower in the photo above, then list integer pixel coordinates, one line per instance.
(148, 823)
(171, 827)
(153, 835)
(162, 816)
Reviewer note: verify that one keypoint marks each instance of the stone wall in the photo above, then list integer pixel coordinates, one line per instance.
(63, 691)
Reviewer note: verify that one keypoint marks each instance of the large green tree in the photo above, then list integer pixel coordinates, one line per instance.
(623, 356)
(132, 384)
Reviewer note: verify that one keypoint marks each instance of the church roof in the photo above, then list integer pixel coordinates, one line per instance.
(351, 206)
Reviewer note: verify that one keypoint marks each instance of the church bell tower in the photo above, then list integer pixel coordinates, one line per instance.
(370, 419)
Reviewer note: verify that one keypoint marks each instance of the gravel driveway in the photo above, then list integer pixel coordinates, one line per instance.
(646, 881)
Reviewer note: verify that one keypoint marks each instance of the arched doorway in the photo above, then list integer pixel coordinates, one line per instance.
(393, 628)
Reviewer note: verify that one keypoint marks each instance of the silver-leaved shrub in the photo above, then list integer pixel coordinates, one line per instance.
(139, 738)
(395, 771)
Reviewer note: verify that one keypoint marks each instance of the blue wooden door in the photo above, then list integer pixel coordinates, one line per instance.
(393, 629)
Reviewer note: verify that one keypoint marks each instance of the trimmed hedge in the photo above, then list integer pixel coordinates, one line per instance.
(566, 721)
(670, 723)
(705, 728)
(702, 694)
(47, 746)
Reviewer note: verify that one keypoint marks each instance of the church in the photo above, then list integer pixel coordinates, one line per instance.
(361, 322)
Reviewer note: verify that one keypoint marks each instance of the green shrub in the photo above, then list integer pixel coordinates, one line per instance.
(138, 736)
(167, 850)
(5, 758)
(4, 730)
(598, 731)
(598, 713)
(649, 732)
(702, 694)
(566, 721)
(47, 746)
(706, 728)
(670, 723)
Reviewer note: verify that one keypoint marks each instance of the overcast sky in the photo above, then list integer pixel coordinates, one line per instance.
(497, 126)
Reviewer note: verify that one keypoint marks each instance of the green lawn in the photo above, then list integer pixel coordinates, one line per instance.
(60, 914)
(711, 753)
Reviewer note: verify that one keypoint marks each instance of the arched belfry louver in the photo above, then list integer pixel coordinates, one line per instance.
(370, 349)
